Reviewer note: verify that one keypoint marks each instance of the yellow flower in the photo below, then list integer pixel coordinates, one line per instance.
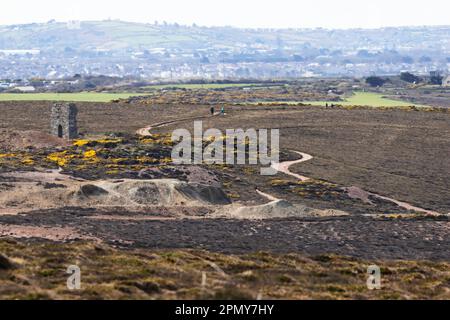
(166, 160)
(105, 141)
(146, 160)
(90, 154)
(6, 155)
(80, 143)
(28, 161)
(61, 158)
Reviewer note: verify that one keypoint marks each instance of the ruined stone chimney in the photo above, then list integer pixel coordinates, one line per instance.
(64, 120)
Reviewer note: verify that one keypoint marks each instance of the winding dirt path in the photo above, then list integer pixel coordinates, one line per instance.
(283, 167)
(145, 132)
(269, 197)
(406, 205)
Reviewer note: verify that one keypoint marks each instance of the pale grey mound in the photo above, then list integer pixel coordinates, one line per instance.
(204, 193)
(166, 192)
(90, 190)
(146, 195)
(33, 195)
(276, 209)
(200, 175)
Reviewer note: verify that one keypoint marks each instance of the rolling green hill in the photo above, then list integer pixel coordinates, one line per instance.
(115, 34)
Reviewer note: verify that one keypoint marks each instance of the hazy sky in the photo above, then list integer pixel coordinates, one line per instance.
(242, 13)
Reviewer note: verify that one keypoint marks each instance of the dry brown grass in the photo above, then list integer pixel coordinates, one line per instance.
(109, 273)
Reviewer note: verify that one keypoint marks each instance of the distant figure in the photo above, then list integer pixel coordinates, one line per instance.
(222, 111)
(212, 110)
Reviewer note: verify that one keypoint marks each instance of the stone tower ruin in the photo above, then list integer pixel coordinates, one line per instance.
(64, 120)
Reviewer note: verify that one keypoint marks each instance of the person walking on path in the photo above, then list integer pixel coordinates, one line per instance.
(222, 111)
(212, 110)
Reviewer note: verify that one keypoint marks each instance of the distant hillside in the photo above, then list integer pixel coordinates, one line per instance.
(114, 34)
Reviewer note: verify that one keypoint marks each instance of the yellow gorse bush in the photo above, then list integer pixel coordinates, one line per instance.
(28, 161)
(7, 155)
(105, 141)
(80, 142)
(83, 142)
(90, 154)
(61, 158)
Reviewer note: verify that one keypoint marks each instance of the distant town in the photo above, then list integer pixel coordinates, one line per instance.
(57, 51)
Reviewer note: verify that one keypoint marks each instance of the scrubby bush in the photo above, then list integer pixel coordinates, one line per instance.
(409, 77)
(374, 81)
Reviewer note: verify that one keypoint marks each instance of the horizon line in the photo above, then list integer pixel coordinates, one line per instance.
(161, 23)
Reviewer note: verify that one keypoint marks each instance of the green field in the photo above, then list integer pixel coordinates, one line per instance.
(366, 99)
(106, 97)
(76, 97)
(358, 99)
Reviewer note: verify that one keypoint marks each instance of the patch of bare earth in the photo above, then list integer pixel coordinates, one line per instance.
(14, 140)
(42, 232)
